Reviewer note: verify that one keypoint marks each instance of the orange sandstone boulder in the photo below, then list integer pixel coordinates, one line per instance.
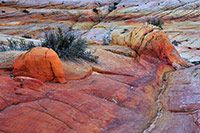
(41, 63)
(147, 39)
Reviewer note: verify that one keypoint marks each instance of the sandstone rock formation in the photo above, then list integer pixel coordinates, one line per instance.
(114, 98)
(121, 98)
(124, 92)
(146, 40)
(41, 63)
(30, 83)
(180, 103)
(11, 93)
(181, 19)
(75, 70)
(7, 59)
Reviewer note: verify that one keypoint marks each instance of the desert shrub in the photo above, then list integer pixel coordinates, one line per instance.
(176, 43)
(3, 48)
(26, 36)
(113, 7)
(67, 46)
(156, 21)
(16, 45)
(95, 10)
(106, 38)
(25, 11)
(196, 62)
(21, 45)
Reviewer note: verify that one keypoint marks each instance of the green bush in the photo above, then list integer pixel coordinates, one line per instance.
(106, 40)
(67, 46)
(176, 43)
(95, 10)
(18, 45)
(113, 7)
(157, 22)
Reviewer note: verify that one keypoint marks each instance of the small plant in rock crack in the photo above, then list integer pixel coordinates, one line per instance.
(3, 47)
(67, 46)
(17, 45)
(196, 62)
(157, 22)
(113, 7)
(106, 38)
(176, 43)
(95, 10)
(25, 11)
(26, 36)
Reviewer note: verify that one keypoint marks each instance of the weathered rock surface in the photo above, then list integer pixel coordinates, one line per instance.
(181, 22)
(146, 40)
(119, 94)
(78, 69)
(182, 90)
(181, 19)
(114, 99)
(41, 63)
(11, 93)
(181, 103)
(7, 59)
(30, 83)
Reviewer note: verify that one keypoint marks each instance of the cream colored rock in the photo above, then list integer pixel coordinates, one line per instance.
(75, 70)
(7, 58)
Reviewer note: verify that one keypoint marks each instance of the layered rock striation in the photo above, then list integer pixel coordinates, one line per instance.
(114, 98)
(147, 40)
(126, 91)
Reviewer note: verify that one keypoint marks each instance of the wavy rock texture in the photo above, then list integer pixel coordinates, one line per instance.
(114, 98)
(146, 40)
(30, 83)
(181, 103)
(181, 19)
(7, 59)
(76, 70)
(124, 92)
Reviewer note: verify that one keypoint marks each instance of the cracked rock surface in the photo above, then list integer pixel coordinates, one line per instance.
(181, 19)
(41, 63)
(180, 103)
(124, 92)
(110, 99)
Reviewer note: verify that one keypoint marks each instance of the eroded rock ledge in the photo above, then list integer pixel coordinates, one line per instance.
(121, 92)
(180, 103)
(113, 98)
(117, 98)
